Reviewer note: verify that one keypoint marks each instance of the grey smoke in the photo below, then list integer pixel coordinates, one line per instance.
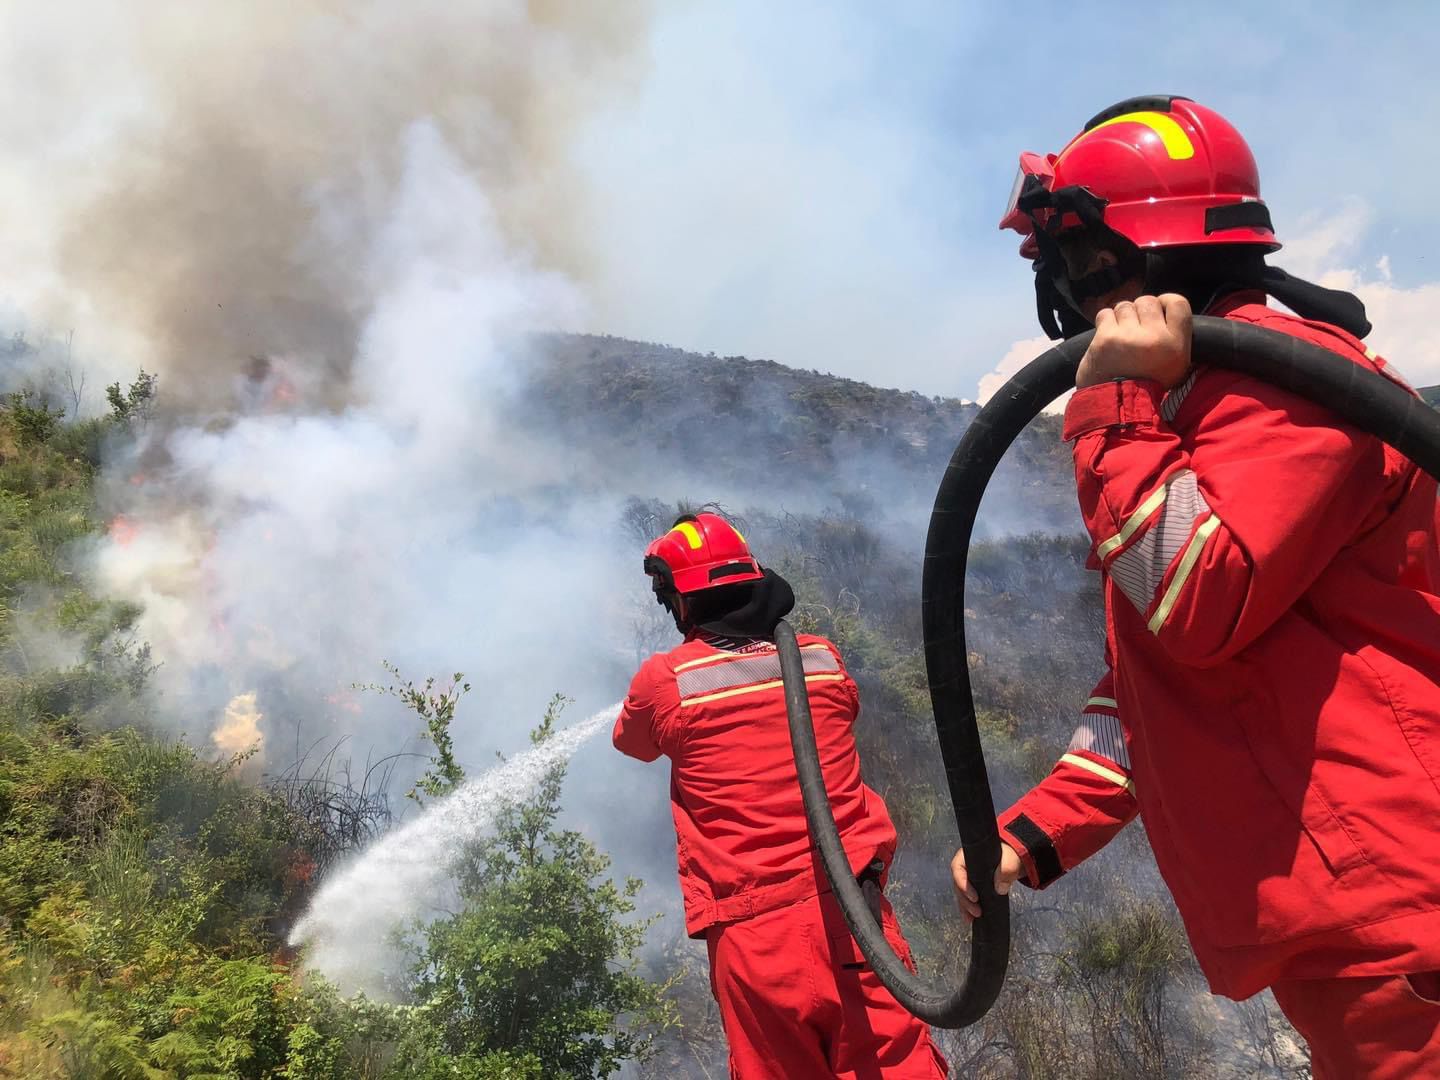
(192, 186)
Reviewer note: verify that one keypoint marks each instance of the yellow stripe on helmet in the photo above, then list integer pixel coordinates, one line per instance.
(1172, 135)
(692, 535)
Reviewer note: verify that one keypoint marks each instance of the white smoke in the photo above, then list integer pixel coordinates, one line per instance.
(308, 545)
(329, 229)
(405, 875)
(192, 186)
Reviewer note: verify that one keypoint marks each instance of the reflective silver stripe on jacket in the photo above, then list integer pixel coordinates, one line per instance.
(1100, 734)
(1176, 397)
(1140, 568)
(726, 673)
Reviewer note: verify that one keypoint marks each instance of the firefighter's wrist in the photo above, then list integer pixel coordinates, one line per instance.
(1028, 876)
(1038, 857)
(1112, 403)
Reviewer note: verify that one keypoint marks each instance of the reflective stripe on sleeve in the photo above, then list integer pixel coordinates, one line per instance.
(1118, 779)
(1133, 523)
(1139, 569)
(1182, 572)
(1176, 397)
(1100, 734)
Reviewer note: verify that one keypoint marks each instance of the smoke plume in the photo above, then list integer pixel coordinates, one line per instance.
(193, 187)
(327, 228)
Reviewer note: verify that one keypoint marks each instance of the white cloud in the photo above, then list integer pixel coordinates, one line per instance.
(1407, 332)
(1322, 241)
(1018, 355)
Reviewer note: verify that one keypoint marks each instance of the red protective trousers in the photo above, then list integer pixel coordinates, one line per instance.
(798, 1000)
(1381, 1028)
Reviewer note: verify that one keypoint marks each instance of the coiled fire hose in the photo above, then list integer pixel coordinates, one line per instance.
(1357, 395)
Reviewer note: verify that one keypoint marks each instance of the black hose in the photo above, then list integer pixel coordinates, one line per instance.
(990, 950)
(1355, 394)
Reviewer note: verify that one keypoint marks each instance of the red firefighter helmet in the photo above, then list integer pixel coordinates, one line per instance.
(701, 551)
(1161, 171)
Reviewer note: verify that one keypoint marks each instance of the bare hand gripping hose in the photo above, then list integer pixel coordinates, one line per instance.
(1356, 395)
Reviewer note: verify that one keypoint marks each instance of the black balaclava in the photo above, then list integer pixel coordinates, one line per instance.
(749, 609)
(1202, 274)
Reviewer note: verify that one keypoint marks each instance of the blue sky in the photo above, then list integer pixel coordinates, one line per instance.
(819, 184)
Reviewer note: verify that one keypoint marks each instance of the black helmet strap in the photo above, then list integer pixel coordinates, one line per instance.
(1057, 296)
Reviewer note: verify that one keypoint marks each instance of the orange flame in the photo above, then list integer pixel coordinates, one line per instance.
(240, 730)
(122, 530)
(282, 393)
(300, 869)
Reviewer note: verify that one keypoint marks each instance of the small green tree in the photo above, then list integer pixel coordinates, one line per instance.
(136, 401)
(535, 975)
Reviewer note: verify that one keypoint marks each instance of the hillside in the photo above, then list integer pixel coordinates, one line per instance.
(756, 425)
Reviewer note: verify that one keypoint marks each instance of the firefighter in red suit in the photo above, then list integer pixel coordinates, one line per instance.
(796, 997)
(1270, 707)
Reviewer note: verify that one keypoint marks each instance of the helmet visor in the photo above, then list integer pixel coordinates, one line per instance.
(1031, 165)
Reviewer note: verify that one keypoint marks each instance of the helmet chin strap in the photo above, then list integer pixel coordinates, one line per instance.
(662, 583)
(1057, 318)
(1182, 271)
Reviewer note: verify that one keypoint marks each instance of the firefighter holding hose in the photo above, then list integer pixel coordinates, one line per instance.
(796, 997)
(1270, 706)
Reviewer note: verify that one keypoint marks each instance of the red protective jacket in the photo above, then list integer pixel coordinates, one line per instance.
(1272, 704)
(741, 838)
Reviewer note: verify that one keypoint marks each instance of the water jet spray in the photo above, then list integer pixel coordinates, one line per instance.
(401, 876)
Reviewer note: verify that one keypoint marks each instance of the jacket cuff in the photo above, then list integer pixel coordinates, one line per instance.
(1110, 404)
(1035, 848)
